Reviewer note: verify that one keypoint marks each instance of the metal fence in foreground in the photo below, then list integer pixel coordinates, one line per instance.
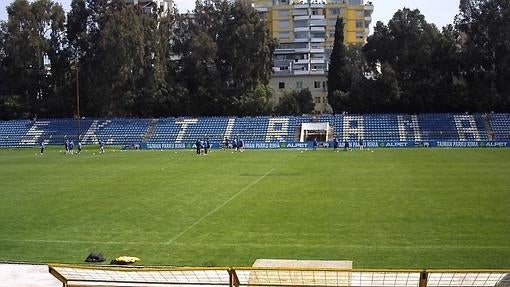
(78, 276)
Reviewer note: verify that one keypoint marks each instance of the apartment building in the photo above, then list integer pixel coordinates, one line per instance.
(305, 30)
(152, 6)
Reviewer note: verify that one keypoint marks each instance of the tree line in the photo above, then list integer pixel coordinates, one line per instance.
(218, 61)
(130, 64)
(409, 65)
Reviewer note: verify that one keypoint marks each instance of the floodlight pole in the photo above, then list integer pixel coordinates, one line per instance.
(78, 96)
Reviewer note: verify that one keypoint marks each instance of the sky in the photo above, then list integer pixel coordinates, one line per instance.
(439, 12)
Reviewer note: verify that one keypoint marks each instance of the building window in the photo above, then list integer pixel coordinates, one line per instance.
(335, 11)
(283, 13)
(317, 84)
(317, 100)
(360, 14)
(359, 35)
(299, 85)
(317, 12)
(281, 85)
(283, 24)
(325, 100)
(283, 35)
(359, 24)
(354, 2)
(324, 85)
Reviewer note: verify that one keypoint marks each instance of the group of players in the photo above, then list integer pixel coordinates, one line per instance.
(69, 147)
(204, 146)
(336, 144)
(236, 144)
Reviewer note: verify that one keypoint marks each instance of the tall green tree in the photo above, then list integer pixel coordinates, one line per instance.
(422, 59)
(339, 79)
(295, 103)
(486, 52)
(225, 59)
(33, 58)
(244, 57)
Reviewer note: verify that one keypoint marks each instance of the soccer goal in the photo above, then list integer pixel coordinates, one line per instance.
(322, 132)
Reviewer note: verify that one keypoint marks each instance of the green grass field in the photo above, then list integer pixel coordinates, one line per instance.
(391, 208)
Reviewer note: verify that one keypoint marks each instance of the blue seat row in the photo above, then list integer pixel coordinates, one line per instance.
(375, 127)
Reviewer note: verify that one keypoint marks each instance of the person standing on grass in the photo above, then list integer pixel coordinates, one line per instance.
(315, 144)
(71, 147)
(335, 145)
(360, 143)
(66, 146)
(42, 147)
(101, 146)
(198, 145)
(240, 145)
(346, 145)
(79, 147)
(207, 146)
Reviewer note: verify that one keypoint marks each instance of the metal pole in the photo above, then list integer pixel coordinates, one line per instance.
(423, 278)
(78, 97)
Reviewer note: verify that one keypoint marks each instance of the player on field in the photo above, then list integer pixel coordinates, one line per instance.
(315, 144)
(346, 145)
(240, 145)
(207, 146)
(360, 143)
(335, 144)
(42, 147)
(71, 147)
(66, 146)
(79, 147)
(198, 145)
(101, 146)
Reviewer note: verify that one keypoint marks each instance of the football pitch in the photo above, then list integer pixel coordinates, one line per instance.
(390, 208)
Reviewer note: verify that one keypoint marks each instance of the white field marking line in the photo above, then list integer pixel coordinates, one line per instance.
(249, 244)
(220, 206)
(77, 242)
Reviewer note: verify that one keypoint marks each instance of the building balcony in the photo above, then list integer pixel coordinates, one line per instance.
(318, 40)
(317, 5)
(317, 72)
(368, 19)
(316, 17)
(316, 23)
(301, 17)
(300, 6)
(283, 51)
(302, 50)
(301, 29)
(301, 61)
(299, 72)
(317, 61)
(317, 50)
(318, 28)
(301, 40)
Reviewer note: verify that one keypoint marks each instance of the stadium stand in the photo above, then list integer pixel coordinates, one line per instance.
(369, 127)
(500, 124)
(11, 132)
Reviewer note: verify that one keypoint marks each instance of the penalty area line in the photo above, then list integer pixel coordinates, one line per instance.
(219, 206)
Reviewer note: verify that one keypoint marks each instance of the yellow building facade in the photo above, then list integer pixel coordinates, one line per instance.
(305, 30)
